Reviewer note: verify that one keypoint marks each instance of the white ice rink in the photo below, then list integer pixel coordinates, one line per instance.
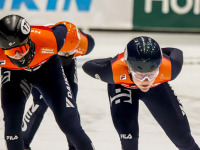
(93, 102)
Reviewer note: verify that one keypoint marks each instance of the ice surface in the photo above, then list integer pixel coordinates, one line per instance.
(94, 106)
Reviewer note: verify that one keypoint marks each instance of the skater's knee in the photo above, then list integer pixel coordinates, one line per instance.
(127, 129)
(13, 122)
(68, 120)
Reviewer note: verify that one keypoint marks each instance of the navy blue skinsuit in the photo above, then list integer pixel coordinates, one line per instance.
(160, 100)
(52, 83)
(36, 112)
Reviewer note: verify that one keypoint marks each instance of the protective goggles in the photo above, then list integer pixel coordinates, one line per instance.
(21, 49)
(142, 76)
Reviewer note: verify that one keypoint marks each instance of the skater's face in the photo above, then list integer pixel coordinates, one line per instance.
(18, 55)
(144, 80)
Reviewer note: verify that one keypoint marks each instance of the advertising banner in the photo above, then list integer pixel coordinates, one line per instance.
(101, 14)
(169, 15)
(176, 15)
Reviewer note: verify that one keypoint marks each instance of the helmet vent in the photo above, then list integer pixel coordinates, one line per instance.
(152, 66)
(139, 67)
(1, 34)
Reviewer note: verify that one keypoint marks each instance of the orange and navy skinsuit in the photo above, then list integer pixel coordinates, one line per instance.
(83, 46)
(32, 123)
(48, 42)
(161, 101)
(45, 73)
(117, 70)
(46, 45)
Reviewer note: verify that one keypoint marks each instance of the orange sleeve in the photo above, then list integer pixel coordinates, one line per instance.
(73, 37)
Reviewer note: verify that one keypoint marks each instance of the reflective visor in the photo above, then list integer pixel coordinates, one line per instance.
(21, 49)
(142, 76)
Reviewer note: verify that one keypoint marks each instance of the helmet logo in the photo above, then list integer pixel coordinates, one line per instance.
(25, 27)
(22, 60)
(10, 44)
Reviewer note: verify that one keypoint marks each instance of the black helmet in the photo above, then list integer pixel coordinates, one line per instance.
(143, 54)
(14, 30)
